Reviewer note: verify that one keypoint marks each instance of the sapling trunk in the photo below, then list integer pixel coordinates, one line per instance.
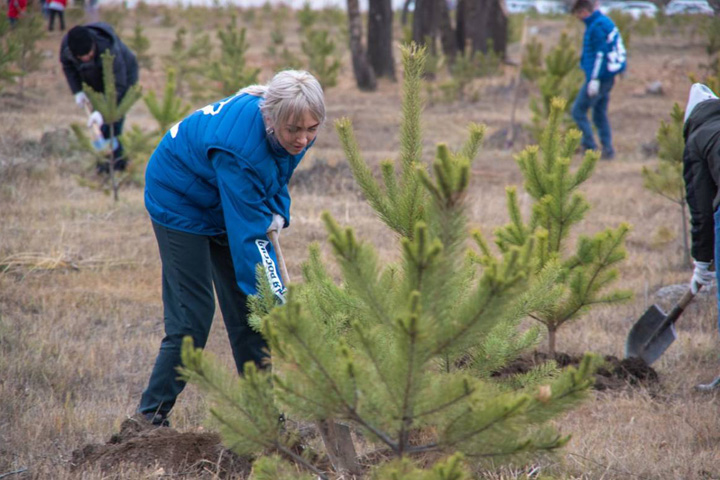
(113, 178)
(686, 246)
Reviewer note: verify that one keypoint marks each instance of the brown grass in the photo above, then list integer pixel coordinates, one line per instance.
(80, 307)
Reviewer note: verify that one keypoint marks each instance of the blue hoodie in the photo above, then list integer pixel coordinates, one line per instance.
(217, 171)
(603, 54)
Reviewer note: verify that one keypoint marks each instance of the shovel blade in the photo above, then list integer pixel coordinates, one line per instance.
(649, 338)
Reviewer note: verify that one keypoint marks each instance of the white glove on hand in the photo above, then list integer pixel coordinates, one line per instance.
(277, 224)
(593, 88)
(81, 99)
(702, 276)
(95, 118)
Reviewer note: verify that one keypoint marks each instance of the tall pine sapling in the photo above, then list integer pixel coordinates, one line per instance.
(8, 53)
(188, 61)
(372, 349)
(666, 179)
(561, 77)
(557, 208)
(322, 58)
(139, 43)
(230, 72)
(168, 110)
(28, 30)
(107, 104)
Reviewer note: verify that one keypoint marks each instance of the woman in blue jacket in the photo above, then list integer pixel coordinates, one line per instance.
(215, 186)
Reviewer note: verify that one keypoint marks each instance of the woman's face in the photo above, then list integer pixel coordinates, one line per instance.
(297, 133)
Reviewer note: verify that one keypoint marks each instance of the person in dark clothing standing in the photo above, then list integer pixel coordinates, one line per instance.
(701, 170)
(80, 55)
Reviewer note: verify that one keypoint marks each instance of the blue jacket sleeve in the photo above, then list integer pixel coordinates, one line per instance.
(247, 217)
(280, 204)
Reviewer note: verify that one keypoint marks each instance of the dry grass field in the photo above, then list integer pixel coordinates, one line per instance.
(80, 303)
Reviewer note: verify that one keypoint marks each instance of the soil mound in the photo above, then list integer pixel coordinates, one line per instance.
(612, 375)
(143, 445)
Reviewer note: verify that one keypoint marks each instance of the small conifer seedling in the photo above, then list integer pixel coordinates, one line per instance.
(557, 208)
(666, 179)
(107, 104)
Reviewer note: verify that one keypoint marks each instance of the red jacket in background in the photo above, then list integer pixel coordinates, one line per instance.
(17, 8)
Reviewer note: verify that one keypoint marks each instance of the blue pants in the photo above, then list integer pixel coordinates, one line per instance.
(599, 106)
(716, 218)
(191, 265)
(119, 151)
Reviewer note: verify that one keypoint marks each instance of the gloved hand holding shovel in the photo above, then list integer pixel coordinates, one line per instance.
(703, 276)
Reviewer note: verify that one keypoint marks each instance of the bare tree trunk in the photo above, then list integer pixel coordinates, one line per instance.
(380, 38)
(405, 10)
(461, 10)
(364, 73)
(476, 24)
(425, 22)
(715, 4)
(447, 34)
(498, 26)
(485, 20)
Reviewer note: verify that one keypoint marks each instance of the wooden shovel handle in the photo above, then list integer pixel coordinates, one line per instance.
(680, 306)
(275, 240)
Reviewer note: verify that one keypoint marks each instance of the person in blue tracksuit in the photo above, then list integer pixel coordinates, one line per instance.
(603, 57)
(215, 186)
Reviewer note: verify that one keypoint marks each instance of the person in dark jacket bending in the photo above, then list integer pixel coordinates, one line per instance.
(80, 53)
(214, 187)
(701, 170)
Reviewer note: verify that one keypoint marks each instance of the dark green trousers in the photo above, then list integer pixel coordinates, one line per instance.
(191, 265)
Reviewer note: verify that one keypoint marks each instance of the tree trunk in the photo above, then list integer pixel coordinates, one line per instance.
(405, 10)
(551, 341)
(380, 38)
(461, 10)
(364, 73)
(498, 26)
(339, 447)
(447, 35)
(476, 24)
(715, 4)
(686, 246)
(485, 20)
(425, 22)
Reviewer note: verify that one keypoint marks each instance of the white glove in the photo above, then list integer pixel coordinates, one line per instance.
(277, 224)
(95, 118)
(702, 276)
(593, 88)
(81, 99)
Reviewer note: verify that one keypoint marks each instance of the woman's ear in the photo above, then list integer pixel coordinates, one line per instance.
(269, 127)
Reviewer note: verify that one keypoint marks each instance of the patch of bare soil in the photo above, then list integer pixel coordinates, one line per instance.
(145, 446)
(614, 374)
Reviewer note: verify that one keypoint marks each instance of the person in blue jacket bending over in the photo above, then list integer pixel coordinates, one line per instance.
(603, 57)
(216, 185)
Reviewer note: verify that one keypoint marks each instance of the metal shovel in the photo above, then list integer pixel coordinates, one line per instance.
(655, 332)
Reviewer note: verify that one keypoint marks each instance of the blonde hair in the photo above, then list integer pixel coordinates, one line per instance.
(288, 95)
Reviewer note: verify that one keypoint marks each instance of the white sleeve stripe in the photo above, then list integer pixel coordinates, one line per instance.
(598, 63)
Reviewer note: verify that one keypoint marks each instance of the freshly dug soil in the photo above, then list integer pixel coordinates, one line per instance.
(143, 445)
(614, 374)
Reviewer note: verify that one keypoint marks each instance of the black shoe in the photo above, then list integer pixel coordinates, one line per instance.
(607, 155)
(157, 419)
